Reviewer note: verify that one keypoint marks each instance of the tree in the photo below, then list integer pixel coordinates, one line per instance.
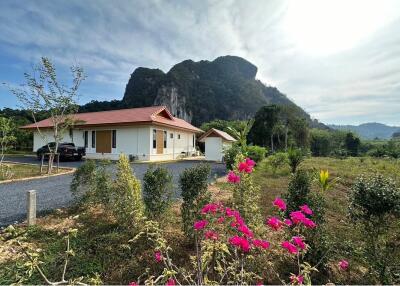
(396, 135)
(43, 92)
(6, 135)
(241, 132)
(352, 144)
(262, 132)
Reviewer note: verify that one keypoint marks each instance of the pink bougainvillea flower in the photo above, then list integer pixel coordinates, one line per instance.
(261, 243)
(210, 208)
(260, 283)
(170, 282)
(200, 224)
(158, 256)
(278, 202)
(250, 162)
(209, 234)
(274, 223)
(288, 222)
(297, 217)
(240, 242)
(305, 209)
(289, 247)
(299, 279)
(245, 230)
(221, 219)
(343, 264)
(133, 283)
(309, 223)
(299, 242)
(233, 178)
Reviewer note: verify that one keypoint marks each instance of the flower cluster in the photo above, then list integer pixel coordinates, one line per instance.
(242, 237)
(246, 166)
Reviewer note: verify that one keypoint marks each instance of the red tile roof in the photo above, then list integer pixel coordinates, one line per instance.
(217, 133)
(158, 115)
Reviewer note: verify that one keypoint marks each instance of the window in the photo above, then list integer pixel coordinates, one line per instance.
(179, 136)
(114, 139)
(93, 139)
(171, 135)
(85, 137)
(154, 138)
(165, 139)
(193, 140)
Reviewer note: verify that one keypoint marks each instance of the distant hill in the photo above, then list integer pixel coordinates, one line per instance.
(369, 130)
(199, 92)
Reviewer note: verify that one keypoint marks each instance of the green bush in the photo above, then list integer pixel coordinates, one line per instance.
(157, 190)
(256, 153)
(230, 156)
(375, 209)
(276, 161)
(193, 184)
(295, 157)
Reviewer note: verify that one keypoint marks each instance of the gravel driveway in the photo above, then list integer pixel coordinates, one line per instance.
(53, 192)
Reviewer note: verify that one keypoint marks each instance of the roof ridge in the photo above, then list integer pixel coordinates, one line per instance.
(155, 106)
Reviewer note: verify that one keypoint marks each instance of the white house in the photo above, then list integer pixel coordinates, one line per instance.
(145, 134)
(216, 142)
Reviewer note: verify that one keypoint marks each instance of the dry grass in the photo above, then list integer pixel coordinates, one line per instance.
(14, 171)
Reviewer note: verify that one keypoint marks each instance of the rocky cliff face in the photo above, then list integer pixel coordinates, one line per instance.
(202, 91)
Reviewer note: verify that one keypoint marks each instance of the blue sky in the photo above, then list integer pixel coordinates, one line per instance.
(339, 60)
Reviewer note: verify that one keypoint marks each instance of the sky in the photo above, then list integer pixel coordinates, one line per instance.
(339, 60)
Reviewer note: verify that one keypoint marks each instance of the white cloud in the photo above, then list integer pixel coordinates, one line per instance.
(340, 64)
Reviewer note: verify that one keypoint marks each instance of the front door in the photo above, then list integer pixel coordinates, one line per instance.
(160, 141)
(103, 141)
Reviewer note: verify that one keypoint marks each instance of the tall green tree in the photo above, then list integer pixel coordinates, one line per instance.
(262, 132)
(6, 135)
(352, 143)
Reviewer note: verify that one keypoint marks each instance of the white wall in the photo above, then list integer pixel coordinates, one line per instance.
(47, 137)
(182, 141)
(213, 148)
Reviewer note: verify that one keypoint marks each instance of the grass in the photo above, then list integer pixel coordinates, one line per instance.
(13, 171)
(101, 247)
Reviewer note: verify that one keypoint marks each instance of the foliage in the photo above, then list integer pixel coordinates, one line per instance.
(224, 125)
(241, 132)
(352, 144)
(127, 201)
(375, 207)
(157, 190)
(295, 157)
(43, 92)
(277, 160)
(256, 153)
(6, 136)
(389, 148)
(230, 156)
(193, 183)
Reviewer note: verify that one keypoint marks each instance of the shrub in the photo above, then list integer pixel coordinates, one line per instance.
(295, 157)
(157, 190)
(230, 156)
(375, 208)
(193, 184)
(127, 202)
(277, 161)
(256, 153)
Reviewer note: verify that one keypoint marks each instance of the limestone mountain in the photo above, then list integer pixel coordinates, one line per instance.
(198, 92)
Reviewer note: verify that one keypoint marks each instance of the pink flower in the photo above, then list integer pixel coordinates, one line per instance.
(289, 247)
(200, 224)
(246, 166)
(343, 264)
(305, 209)
(240, 242)
(260, 283)
(274, 223)
(288, 222)
(297, 216)
(296, 279)
(309, 223)
(278, 202)
(233, 178)
(245, 230)
(170, 282)
(299, 242)
(209, 234)
(221, 219)
(250, 162)
(210, 208)
(158, 256)
(261, 243)
(133, 283)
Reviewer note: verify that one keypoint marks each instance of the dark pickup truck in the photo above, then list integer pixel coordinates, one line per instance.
(66, 151)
